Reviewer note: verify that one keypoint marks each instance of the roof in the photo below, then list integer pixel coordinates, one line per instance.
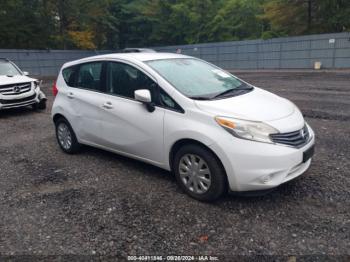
(142, 56)
(131, 56)
(138, 50)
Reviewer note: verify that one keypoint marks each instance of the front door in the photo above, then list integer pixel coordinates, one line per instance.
(127, 126)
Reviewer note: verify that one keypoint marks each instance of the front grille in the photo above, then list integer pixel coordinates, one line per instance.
(15, 89)
(297, 138)
(16, 101)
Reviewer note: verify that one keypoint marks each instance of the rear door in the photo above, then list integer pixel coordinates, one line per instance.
(127, 126)
(85, 99)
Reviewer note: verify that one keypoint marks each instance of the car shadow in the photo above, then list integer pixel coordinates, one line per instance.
(16, 112)
(228, 201)
(129, 163)
(277, 198)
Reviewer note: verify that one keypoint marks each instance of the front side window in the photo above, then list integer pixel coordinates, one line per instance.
(167, 102)
(90, 76)
(195, 78)
(124, 80)
(8, 69)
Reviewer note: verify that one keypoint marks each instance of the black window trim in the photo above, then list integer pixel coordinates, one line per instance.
(104, 74)
(180, 110)
(76, 75)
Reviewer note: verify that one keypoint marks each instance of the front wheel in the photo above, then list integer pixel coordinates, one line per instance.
(66, 137)
(199, 173)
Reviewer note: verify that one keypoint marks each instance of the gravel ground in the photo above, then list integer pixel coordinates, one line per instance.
(98, 203)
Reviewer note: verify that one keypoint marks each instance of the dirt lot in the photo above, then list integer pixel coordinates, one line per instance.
(100, 203)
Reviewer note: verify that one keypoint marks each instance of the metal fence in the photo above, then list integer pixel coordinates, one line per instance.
(332, 50)
(44, 62)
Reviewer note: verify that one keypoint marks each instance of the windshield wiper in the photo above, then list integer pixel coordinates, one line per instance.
(239, 89)
(233, 90)
(200, 97)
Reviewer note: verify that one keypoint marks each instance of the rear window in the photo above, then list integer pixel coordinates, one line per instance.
(69, 74)
(90, 76)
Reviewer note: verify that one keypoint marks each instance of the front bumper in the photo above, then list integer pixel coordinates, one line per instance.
(252, 166)
(25, 99)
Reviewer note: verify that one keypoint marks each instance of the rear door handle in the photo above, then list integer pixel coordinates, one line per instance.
(107, 105)
(70, 95)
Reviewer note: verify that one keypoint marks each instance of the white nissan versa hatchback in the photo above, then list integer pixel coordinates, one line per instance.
(216, 132)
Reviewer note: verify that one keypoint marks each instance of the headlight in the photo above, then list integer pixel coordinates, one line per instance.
(250, 130)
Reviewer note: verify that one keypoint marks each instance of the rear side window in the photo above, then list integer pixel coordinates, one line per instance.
(90, 77)
(69, 74)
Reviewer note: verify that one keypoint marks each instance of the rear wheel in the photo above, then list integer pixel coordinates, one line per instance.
(66, 137)
(199, 173)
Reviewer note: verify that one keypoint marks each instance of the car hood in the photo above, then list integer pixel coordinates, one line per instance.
(17, 79)
(257, 105)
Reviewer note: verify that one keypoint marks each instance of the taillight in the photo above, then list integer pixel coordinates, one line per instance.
(54, 89)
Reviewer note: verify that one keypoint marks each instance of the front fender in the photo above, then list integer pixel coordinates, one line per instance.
(175, 137)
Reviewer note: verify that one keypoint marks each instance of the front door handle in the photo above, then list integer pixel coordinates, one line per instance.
(107, 105)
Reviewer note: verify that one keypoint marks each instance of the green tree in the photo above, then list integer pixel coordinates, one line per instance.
(77, 22)
(333, 16)
(115, 24)
(297, 17)
(21, 25)
(236, 20)
(291, 17)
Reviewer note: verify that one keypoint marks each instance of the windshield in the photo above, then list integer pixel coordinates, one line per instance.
(195, 78)
(6, 68)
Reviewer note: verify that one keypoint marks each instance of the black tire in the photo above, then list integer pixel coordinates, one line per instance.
(75, 146)
(218, 186)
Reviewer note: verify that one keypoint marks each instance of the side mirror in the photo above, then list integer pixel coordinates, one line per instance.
(25, 73)
(144, 96)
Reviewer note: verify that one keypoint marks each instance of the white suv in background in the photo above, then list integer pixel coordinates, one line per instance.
(213, 130)
(17, 89)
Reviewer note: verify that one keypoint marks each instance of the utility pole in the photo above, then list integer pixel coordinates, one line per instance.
(309, 14)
